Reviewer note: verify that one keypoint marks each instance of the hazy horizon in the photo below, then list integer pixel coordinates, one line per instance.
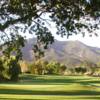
(93, 41)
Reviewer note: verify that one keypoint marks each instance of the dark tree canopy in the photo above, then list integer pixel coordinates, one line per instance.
(62, 11)
(70, 17)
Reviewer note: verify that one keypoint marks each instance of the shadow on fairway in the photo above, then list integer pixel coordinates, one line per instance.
(53, 80)
(41, 92)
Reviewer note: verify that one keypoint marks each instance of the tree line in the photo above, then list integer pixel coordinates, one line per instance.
(41, 67)
(10, 69)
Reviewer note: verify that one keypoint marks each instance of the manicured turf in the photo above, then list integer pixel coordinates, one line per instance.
(32, 87)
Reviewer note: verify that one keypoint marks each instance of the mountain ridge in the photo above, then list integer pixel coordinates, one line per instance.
(67, 52)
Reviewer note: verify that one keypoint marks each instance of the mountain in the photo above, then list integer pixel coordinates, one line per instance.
(67, 52)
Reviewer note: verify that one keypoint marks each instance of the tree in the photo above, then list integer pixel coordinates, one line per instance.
(67, 15)
(42, 67)
(38, 67)
(55, 68)
(11, 53)
(22, 15)
(62, 68)
(80, 69)
(1, 69)
(14, 70)
(90, 66)
(1, 66)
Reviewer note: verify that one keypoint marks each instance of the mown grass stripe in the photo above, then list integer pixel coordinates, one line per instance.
(47, 97)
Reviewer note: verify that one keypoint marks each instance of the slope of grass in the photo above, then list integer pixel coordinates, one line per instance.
(45, 87)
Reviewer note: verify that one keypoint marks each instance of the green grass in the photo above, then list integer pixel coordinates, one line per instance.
(45, 87)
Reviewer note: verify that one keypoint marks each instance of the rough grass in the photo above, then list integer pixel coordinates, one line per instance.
(32, 87)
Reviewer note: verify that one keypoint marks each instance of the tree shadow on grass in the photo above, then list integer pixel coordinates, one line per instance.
(52, 80)
(18, 99)
(47, 92)
(62, 81)
(67, 98)
(89, 82)
(39, 81)
(57, 80)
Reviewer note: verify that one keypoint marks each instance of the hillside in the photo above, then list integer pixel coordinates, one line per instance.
(67, 52)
